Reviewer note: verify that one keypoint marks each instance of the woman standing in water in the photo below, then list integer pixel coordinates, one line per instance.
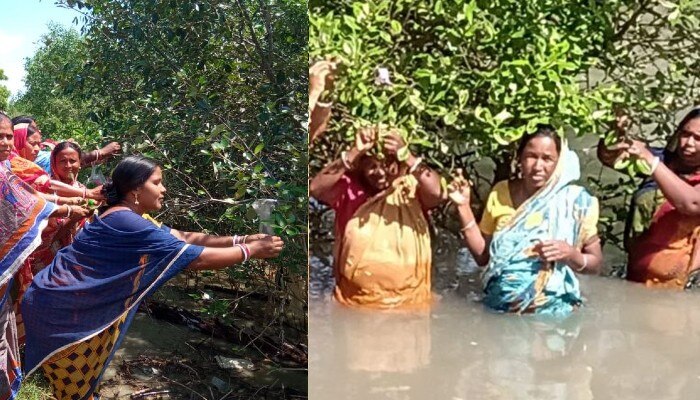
(663, 223)
(382, 254)
(78, 309)
(536, 231)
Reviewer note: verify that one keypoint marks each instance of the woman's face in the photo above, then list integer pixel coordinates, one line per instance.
(7, 139)
(32, 147)
(67, 164)
(689, 143)
(538, 160)
(375, 173)
(151, 193)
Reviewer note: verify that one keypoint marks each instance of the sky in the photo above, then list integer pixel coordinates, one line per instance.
(23, 24)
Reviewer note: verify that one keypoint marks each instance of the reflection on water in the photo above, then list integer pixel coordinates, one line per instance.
(628, 342)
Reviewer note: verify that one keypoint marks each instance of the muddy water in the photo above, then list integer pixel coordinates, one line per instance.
(628, 342)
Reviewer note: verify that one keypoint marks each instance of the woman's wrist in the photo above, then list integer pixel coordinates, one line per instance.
(465, 210)
(578, 261)
(349, 157)
(245, 250)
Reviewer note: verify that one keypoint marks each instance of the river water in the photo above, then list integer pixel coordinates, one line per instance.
(628, 342)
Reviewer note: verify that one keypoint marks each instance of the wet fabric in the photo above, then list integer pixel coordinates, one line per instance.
(23, 216)
(516, 279)
(384, 257)
(348, 194)
(661, 242)
(101, 278)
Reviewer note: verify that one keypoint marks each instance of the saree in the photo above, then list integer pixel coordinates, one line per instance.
(384, 257)
(23, 216)
(661, 242)
(58, 234)
(516, 279)
(78, 309)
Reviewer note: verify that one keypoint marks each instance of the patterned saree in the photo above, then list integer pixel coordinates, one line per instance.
(23, 216)
(78, 309)
(516, 279)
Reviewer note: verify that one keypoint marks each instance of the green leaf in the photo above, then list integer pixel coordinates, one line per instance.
(450, 118)
(503, 116)
(395, 27)
(258, 148)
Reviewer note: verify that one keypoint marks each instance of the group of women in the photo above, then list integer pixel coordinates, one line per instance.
(538, 229)
(71, 277)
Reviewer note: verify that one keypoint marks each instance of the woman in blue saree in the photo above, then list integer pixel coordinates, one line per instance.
(78, 309)
(536, 231)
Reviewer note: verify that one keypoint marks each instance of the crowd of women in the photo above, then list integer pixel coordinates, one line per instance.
(72, 275)
(538, 229)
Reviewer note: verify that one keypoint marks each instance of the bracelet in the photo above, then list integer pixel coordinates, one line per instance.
(84, 192)
(344, 158)
(245, 251)
(55, 199)
(654, 164)
(585, 263)
(69, 211)
(468, 226)
(414, 167)
(239, 239)
(97, 158)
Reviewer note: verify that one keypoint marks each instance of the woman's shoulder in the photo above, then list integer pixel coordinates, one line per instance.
(581, 193)
(500, 196)
(127, 221)
(501, 187)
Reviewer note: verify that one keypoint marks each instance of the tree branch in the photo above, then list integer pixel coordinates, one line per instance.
(633, 18)
(264, 61)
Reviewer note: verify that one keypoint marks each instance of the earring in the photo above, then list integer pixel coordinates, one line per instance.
(136, 199)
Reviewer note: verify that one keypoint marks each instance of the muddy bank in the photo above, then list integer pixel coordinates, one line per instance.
(162, 360)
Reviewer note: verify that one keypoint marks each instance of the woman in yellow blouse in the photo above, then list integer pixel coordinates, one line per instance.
(536, 231)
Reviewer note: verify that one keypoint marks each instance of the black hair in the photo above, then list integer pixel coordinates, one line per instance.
(129, 174)
(671, 150)
(65, 145)
(543, 130)
(7, 117)
(22, 119)
(693, 114)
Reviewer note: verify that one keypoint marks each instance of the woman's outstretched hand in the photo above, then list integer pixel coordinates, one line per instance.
(264, 246)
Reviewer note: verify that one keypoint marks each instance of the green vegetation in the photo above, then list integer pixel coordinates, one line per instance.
(215, 91)
(468, 78)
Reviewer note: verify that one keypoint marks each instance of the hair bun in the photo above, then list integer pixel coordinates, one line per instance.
(109, 191)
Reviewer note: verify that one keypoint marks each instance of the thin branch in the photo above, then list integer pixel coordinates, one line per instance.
(633, 18)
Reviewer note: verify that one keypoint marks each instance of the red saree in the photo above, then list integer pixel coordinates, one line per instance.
(666, 253)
